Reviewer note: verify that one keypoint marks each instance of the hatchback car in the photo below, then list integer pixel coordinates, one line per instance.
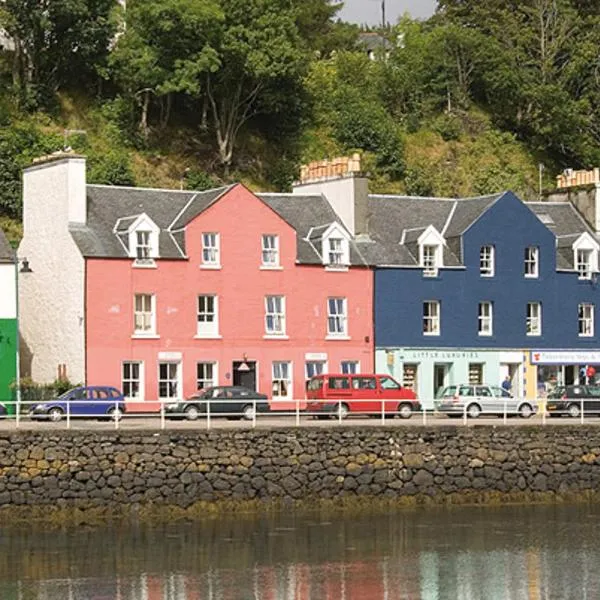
(572, 400)
(230, 401)
(475, 400)
(96, 401)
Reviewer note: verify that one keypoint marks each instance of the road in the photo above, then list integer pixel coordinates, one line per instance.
(262, 422)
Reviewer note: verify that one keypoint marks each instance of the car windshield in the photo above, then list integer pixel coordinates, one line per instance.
(64, 395)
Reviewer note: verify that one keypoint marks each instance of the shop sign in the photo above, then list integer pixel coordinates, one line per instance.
(315, 356)
(565, 357)
(446, 355)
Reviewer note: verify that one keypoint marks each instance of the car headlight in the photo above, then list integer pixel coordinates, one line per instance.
(38, 407)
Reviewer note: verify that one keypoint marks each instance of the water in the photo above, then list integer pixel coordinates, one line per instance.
(529, 553)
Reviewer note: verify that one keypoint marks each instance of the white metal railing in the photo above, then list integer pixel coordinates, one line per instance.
(209, 412)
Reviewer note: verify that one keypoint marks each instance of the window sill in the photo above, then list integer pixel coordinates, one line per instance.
(273, 268)
(208, 336)
(211, 267)
(150, 264)
(337, 337)
(533, 334)
(145, 336)
(487, 275)
(531, 276)
(340, 269)
(431, 275)
(485, 335)
(273, 336)
(431, 334)
(586, 336)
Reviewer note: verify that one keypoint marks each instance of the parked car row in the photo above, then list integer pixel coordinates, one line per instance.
(328, 396)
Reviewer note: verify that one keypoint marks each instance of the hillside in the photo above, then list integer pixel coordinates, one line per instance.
(459, 105)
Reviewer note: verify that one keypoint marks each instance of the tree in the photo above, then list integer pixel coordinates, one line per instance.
(258, 51)
(57, 42)
(166, 48)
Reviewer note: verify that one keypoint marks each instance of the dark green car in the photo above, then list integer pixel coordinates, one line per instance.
(231, 401)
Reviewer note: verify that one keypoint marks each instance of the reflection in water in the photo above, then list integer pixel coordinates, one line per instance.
(529, 553)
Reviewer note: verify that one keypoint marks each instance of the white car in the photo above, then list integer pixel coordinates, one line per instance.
(487, 400)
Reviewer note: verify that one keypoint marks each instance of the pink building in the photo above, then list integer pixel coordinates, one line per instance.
(162, 292)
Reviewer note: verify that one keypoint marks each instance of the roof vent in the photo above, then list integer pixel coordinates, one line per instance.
(546, 219)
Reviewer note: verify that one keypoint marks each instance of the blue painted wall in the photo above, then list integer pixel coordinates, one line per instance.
(510, 227)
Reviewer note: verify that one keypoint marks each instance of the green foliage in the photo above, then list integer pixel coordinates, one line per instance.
(198, 180)
(20, 143)
(110, 168)
(32, 392)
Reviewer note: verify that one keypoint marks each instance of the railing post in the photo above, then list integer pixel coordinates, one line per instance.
(17, 414)
(340, 412)
(465, 414)
(162, 414)
(581, 419)
(116, 415)
(254, 413)
(543, 405)
(208, 413)
(505, 410)
(68, 414)
(297, 412)
(383, 412)
(424, 414)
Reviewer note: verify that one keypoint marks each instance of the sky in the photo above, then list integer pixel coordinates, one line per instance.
(369, 11)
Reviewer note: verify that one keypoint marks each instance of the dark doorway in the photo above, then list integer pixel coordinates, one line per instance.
(247, 378)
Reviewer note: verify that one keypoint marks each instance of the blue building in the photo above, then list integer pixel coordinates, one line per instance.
(484, 288)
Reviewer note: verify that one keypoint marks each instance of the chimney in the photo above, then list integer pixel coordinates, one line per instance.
(59, 180)
(346, 188)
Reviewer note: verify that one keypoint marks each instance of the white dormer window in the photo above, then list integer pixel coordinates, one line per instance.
(585, 256)
(336, 248)
(210, 250)
(431, 251)
(270, 250)
(141, 239)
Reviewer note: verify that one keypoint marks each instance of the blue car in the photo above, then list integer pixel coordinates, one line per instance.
(95, 401)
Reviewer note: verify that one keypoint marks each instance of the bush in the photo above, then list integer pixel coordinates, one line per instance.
(32, 392)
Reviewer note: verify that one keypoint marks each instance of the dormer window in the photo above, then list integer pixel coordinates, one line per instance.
(336, 251)
(584, 263)
(335, 247)
(143, 249)
(431, 251)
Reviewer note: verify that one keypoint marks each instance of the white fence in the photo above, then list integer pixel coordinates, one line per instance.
(205, 412)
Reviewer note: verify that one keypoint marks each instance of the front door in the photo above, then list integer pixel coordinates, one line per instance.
(245, 377)
(440, 378)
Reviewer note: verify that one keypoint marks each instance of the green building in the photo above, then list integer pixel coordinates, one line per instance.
(9, 333)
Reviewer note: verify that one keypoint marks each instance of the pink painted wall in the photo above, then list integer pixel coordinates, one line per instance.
(241, 219)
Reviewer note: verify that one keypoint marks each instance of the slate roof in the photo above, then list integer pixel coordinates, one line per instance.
(7, 254)
(567, 225)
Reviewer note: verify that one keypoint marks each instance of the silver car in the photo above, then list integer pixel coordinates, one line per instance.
(487, 400)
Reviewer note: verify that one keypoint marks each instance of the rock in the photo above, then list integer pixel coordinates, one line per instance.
(423, 478)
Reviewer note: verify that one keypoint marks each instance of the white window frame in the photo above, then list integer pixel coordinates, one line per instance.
(485, 320)
(533, 320)
(584, 262)
(487, 267)
(320, 368)
(269, 251)
(143, 244)
(335, 251)
(129, 381)
(335, 248)
(430, 259)
(175, 394)
(282, 379)
(211, 250)
(532, 262)
(347, 369)
(275, 316)
(207, 321)
(143, 253)
(146, 318)
(337, 317)
(585, 313)
(431, 317)
(210, 382)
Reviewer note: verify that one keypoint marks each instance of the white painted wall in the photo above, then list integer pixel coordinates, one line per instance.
(347, 195)
(51, 298)
(8, 291)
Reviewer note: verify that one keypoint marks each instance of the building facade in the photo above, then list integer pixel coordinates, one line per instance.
(9, 336)
(162, 292)
(489, 287)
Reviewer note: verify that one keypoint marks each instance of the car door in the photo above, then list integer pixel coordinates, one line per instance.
(592, 403)
(489, 404)
(338, 390)
(365, 395)
(504, 400)
(79, 402)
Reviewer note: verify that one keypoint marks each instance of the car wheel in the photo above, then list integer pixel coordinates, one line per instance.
(248, 412)
(55, 414)
(405, 411)
(191, 412)
(343, 411)
(573, 410)
(115, 413)
(473, 411)
(525, 411)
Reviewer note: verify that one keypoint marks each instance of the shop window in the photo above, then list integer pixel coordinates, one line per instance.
(409, 376)
(475, 373)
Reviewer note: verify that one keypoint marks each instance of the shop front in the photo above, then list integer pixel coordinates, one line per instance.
(428, 371)
(564, 367)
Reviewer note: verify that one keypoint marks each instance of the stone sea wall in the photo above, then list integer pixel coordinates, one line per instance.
(180, 469)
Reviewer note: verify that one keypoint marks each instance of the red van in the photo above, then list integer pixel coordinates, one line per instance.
(334, 394)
